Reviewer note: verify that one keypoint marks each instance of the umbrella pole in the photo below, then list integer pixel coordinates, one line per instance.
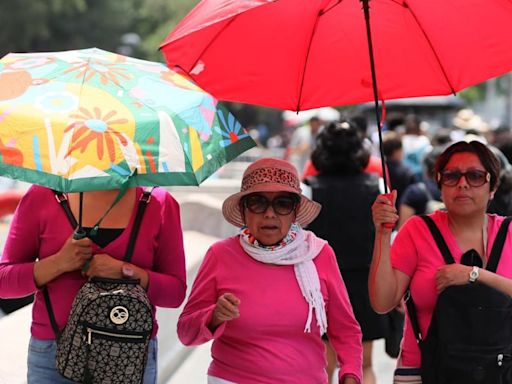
(80, 210)
(366, 9)
(79, 232)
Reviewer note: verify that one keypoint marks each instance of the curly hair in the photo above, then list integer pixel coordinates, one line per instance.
(340, 149)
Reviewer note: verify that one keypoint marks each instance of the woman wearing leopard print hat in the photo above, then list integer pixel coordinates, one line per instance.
(267, 295)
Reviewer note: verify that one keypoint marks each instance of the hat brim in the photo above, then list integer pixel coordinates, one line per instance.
(308, 210)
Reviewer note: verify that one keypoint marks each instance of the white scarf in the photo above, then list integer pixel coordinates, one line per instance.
(298, 248)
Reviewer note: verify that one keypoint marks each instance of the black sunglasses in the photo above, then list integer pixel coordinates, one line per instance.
(474, 177)
(282, 205)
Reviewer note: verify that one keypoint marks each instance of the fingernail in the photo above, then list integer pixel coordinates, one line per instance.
(127, 271)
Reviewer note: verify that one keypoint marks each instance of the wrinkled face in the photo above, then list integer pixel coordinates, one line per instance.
(269, 215)
(463, 199)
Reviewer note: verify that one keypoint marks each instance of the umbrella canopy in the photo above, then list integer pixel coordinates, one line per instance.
(324, 113)
(93, 120)
(297, 55)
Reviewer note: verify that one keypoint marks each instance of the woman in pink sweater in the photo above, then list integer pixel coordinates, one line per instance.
(467, 175)
(267, 295)
(40, 252)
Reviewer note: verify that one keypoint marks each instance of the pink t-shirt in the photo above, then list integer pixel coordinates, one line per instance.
(415, 253)
(267, 343)
(40, 228)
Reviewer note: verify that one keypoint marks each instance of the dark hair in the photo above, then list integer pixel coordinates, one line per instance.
(340, 149)
(361, 123)
(391, 143)
(429, 161)
(489, 161)
(394, 120)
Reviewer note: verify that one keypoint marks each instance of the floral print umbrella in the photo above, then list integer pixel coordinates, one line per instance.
(91, 120)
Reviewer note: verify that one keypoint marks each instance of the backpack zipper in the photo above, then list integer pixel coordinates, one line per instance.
(90, 331)
(111, 292)
(501, 357)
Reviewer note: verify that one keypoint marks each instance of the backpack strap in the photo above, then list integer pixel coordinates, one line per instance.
(143, 202)
(51, 314)
(438, 237)
(409, 303)
(497, 247)
(448, 258)
(63, 201)
(492, 265)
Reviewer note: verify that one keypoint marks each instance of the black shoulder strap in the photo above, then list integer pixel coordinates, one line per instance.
(441, 244)
(51, 314)
(448, 258)
(63, 201)
(143, 202)
(492, 265)
(497, 247)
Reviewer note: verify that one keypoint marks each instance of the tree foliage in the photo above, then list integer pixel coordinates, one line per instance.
(55, 25)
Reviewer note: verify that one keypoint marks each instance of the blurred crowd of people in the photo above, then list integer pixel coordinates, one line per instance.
(410, 151)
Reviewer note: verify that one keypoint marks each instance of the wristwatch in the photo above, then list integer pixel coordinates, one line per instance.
(473, 275)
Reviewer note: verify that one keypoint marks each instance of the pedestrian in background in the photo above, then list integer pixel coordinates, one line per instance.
(302, 143)
(424, 196)
(400, 176)
(267, 295)
(346, 194)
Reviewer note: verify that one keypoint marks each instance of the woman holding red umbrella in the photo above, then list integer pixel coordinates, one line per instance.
(467, 175)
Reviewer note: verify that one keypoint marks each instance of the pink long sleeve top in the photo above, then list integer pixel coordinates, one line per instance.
(415, 253)
(40, 228)
(267, 343)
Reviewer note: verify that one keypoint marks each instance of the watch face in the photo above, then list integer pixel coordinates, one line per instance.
(473, 275)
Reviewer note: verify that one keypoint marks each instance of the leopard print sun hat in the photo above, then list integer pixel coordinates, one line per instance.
(270, 175)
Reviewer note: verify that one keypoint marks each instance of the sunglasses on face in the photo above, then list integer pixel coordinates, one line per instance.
(474, 177)
(281, 205)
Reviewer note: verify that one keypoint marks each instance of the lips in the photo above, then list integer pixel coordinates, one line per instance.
(269, 227)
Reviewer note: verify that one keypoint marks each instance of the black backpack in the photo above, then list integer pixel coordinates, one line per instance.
(107, 334)
(469, 340)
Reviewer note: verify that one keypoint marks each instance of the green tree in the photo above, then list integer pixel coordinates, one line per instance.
(54, 25)
(155, 21)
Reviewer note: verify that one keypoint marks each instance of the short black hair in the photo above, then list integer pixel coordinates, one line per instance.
(391, 143)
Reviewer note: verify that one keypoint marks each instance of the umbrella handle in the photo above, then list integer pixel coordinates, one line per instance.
(79, 234)
(390, 199)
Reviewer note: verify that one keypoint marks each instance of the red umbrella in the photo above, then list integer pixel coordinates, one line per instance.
(297, 54)
(302, 54)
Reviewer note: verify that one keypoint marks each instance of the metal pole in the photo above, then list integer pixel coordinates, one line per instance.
(366, 9)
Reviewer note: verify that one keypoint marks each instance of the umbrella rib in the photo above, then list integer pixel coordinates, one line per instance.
(405, 4)
(321, 11)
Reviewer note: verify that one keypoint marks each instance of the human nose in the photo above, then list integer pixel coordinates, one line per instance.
(462, 183)
(269, 212)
